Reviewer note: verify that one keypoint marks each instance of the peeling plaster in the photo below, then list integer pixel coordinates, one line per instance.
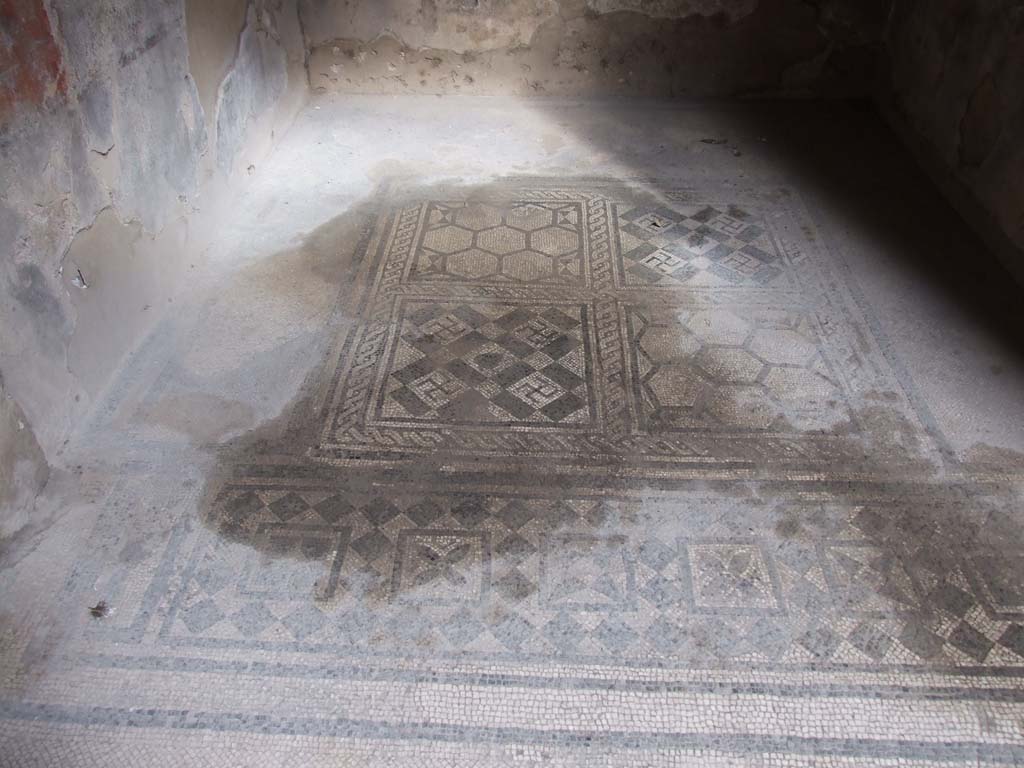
(108, 119)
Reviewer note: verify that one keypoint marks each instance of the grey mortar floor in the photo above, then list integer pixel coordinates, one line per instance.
(497, 432)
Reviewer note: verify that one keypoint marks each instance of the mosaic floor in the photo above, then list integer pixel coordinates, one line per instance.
(592, 476)
(569, 325)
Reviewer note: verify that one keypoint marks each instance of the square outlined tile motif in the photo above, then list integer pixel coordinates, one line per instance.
(443, 566)
(586, 572)
(731, 576)
(295, 562)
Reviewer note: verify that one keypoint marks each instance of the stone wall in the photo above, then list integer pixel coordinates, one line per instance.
(595, 47)
(957, 96)
(114, 122)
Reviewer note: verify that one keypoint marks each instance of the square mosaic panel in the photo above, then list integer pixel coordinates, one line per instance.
(476, 363)
(441, 565)
(527, 242)
(694, 245)
(741, 368)
(732, 576)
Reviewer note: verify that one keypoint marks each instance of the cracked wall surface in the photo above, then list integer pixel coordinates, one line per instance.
(595, 47)
(956, 94)
(112, 126)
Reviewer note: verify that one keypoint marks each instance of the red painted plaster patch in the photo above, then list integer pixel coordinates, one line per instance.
(31, 69)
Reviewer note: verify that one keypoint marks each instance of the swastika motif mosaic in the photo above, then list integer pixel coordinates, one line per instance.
(696, 245)
(488, 363)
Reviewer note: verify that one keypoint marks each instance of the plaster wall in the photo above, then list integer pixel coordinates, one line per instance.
(957, 96)
(122, 132)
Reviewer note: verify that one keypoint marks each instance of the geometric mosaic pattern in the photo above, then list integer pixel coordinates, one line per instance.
(729, 575)
(694, 245)
(506, 575)
(483, 363)
(527, 242)
(729, 360)
(756, 369)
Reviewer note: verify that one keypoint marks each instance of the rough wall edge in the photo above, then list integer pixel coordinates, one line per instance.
(955, 191)
(263, 128)
(671, 10)
(485, 76)
(307, 45)
(770, 48)
(223, 162)
(505, 26)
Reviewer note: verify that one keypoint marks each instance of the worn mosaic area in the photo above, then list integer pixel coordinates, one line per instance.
(814, 627)
(683, 580)
(594, 477)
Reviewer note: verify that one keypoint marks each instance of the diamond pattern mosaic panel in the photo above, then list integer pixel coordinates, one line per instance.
(697, 245)
(489, 363)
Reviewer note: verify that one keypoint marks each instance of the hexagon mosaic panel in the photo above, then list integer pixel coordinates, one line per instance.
(736, 368)
(526, 242)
